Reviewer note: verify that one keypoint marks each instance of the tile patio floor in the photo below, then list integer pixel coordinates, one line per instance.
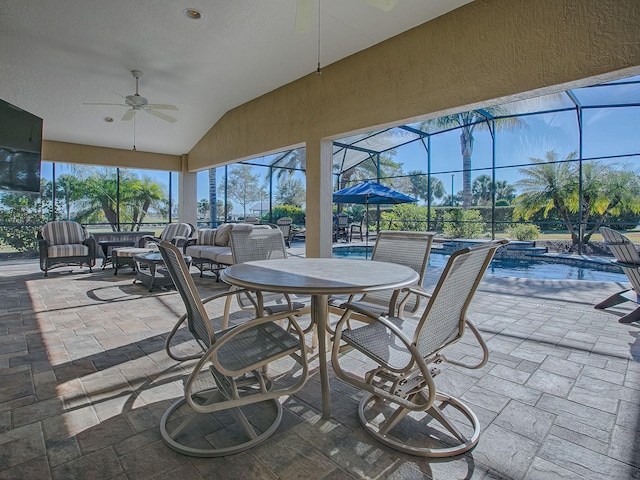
(84, 379)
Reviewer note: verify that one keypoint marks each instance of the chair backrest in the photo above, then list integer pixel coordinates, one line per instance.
(63, 232)
(284, 224)
(625, 252)
(443, 320)
(257, 244)
(343, 220)
(173, 230)
(197, 318)
(411, 249)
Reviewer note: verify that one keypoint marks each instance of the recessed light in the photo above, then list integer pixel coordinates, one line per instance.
(108, 119)
(192, 13)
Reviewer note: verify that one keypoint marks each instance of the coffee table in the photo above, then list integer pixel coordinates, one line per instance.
(150, 270)
(320, 278)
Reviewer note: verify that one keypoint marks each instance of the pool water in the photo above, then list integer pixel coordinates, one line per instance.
(511, 267)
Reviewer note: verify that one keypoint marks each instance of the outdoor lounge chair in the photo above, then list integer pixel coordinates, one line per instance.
(230, 404)
(63, 243)
(628, 259)
(403, 408)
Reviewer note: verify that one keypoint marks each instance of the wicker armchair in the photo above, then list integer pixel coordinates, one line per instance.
(403, 408)
(64, 243)
(228, 385)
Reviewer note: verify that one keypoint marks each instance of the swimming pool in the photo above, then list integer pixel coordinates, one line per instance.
(512, 267)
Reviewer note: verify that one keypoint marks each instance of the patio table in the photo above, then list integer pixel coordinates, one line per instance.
(320, 278)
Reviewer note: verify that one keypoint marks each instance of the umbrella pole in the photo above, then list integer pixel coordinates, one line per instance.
(366, 221)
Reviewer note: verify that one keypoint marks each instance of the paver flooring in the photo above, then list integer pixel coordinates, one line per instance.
(84, 380)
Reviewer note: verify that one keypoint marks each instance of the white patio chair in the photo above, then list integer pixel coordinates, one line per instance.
(403, 408)
(411, 249)
(264, 244)
(229, 389)
(628, 259)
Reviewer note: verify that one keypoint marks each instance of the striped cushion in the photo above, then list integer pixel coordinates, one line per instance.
(131, 252)
(63, 232)
(206, 236)
(173, 230)
(70, 250)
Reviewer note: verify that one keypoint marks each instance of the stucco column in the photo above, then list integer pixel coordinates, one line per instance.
(319, 215)
(187, 198)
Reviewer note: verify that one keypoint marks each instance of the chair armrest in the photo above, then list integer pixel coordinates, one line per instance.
(91, 243)
(146, 239)
(368, 385)
(179, 241)
(188, 243)
(228, 335)
(480, 340)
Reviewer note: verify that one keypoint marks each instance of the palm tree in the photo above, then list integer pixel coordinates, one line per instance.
(418, 187)
(553, 184)
(481, 190)
(468, 122)
(504, 191)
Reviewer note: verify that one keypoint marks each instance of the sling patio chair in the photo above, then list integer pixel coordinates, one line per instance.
(403, 408)
(411, 249)
(628, 259)
(264, 244)
(285, 225)
(230, 404)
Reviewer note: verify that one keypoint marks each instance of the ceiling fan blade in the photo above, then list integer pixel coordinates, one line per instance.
(161, 115)
(128, 115)
(384, 5)
(115, 104)
(304, 15)
(160, 106)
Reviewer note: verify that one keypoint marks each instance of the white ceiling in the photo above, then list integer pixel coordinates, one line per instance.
(57, 55)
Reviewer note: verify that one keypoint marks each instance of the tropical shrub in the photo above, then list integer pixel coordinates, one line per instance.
(459, 223)
(295, 213)
(524, 231)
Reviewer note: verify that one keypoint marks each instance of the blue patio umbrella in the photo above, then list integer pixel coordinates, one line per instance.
(371, 193)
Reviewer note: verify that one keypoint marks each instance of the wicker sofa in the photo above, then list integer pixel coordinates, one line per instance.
(211, 248)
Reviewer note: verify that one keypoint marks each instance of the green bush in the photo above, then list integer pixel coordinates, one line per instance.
(459, 223)
(524, 231)
(295, 213)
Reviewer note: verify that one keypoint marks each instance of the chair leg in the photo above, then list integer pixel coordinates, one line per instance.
(614, 299)
(631, 317)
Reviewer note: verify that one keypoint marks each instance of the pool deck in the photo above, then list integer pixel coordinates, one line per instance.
(84, 379)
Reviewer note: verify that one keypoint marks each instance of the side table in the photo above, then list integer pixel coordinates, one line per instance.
(150, 270)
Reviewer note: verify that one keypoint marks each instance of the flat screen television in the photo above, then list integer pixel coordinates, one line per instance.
(20, 149)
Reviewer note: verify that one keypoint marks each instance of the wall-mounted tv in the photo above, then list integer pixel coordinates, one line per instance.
(20, 149)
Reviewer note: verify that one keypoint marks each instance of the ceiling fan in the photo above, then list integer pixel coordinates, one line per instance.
(136, 103)
(305, 12)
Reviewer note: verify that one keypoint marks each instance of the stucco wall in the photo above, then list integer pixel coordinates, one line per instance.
(482, 52)
(110, 157)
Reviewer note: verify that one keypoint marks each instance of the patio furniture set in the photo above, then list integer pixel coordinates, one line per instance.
(403, 352)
